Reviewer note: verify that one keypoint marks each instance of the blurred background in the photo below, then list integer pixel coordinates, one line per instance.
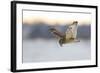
(41, 30)
(40, 45)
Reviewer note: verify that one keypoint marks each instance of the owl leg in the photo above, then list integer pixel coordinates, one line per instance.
(60, 42)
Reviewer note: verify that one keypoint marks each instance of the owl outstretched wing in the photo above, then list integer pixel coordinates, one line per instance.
(56, 33)
(72, 30)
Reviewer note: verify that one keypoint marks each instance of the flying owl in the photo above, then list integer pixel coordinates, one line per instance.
(69, 36)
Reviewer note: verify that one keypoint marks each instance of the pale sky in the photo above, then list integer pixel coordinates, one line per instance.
(55, 17)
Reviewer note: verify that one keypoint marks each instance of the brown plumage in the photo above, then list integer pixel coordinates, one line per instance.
(56, 32)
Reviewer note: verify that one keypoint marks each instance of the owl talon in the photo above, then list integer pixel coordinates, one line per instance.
(61, 45)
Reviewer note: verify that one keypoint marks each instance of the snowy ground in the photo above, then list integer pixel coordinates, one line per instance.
(49, 50)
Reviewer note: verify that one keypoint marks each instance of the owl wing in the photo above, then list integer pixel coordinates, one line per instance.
(72, 31)
(56, 33)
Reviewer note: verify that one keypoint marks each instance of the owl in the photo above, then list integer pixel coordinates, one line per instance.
(69, 36)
